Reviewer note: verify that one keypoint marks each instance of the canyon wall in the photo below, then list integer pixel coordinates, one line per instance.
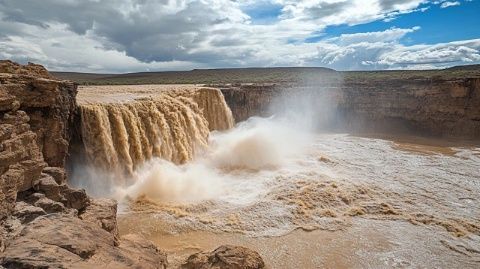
(436, 107)
(35, 113)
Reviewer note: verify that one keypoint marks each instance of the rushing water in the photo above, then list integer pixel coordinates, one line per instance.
(421, 198)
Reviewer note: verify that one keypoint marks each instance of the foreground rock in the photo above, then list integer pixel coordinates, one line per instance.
(43, 222)
(63, 241)
(225, 257)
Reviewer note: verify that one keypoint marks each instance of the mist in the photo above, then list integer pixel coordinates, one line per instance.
(254, 145)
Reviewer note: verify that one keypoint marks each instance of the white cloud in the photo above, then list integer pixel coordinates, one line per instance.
(449, 4)
(133, 35)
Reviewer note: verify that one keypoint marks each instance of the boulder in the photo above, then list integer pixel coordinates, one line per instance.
(75, 198)
(231, 257)
(48, 186)
(57, 173)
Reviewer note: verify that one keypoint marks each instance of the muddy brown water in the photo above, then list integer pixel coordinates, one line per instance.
(349, 202)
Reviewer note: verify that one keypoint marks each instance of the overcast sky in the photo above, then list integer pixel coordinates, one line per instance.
(146, 35)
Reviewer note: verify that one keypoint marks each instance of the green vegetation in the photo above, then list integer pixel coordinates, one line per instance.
(262, 75)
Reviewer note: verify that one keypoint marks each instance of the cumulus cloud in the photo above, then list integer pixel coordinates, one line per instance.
(138, 35)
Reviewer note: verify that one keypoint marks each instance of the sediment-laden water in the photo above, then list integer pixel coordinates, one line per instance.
(372, 202)
(124, 127)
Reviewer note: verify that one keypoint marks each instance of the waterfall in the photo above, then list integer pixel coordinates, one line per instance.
(119, 136)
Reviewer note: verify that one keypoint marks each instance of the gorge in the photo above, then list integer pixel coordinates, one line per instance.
(195, 166)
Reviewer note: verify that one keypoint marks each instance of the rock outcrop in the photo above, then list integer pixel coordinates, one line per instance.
(246, 101)
(231, 257)
(49, 103)
(43, 222)
(60, 240)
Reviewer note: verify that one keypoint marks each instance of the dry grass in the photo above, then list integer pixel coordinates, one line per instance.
(261, 75)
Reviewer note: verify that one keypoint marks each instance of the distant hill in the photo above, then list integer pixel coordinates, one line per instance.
(471, 67)
(260, 75)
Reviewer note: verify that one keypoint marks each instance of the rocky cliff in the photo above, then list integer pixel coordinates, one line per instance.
(35, 111)
(438, 107)
(43, 222)
(426, 106)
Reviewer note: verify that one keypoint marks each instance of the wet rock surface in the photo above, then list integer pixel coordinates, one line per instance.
(231, 257)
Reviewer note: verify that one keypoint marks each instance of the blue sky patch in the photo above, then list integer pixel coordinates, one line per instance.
(438, 25)
(264, 13)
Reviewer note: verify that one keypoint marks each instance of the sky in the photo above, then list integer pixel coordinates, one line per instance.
(118, 36)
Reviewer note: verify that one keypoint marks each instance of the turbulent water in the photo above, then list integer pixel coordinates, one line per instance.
(280, 185)
(360, 188)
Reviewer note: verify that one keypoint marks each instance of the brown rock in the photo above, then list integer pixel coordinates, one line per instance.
(143, 252)
(225, 257)
(429, 106)
(47, 185)
(75, 198)
(63, 241)
(31, 69)
(50, 206)
(57, 173)
(50, 104)
(21, 161)
(102, 212)
(27, 213)
(71, 198)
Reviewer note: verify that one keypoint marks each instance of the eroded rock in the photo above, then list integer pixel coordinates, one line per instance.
(102, 212)
(57, 173)
(50, 206)
(231, 257)
(75, 198)
(62, 241)
(26, 212)
(21, 161)
(50, 104)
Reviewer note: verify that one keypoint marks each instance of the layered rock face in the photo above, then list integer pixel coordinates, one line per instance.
(34, 115)
(43, 222)
(49, 104)
(437, 107)
(249, 100)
